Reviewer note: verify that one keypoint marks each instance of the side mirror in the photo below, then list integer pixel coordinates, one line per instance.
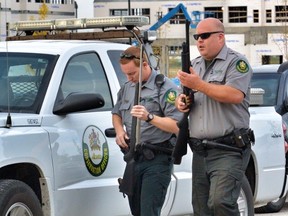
(76, 102)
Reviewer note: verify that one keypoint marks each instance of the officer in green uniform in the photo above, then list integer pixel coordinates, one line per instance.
(158, 116)
(220, 79)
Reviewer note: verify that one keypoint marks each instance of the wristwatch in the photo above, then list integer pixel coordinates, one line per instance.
(150, 117)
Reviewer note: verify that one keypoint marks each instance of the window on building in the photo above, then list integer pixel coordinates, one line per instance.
(237, 14)
(179, 18)
(17, 1)
(174, 60)
(41, 1)
(281, 13)
(141, 12)
(256, 16)
(134, 11)
(175, 50)
(216, 12)
(268, 16)
(272, 59)
(118, 12)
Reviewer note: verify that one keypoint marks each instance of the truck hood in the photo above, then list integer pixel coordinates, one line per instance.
(19, 119)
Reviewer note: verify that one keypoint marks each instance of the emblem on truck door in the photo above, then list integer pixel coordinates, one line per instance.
(95, 150)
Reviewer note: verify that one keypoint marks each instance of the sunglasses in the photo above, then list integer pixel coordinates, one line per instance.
(128, 56)
(205, 35)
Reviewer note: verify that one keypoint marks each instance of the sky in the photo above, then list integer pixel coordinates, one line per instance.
(85, 8)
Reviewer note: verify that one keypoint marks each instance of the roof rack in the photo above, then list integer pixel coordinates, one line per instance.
(63, 28)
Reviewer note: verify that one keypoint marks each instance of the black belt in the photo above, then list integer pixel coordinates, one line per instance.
(225, 143)
(237, 140)
(149, 150)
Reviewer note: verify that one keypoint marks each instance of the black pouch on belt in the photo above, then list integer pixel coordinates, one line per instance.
(242, 137)
(148, 154)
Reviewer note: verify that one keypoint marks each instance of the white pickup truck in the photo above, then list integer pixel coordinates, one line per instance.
(58, 155)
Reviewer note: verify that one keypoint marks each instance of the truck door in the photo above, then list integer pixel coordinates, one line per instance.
(87, 164)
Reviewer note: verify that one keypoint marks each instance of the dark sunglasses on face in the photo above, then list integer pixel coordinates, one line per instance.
(128, 56)
(205, 35)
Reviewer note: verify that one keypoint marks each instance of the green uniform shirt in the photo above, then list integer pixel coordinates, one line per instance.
(211, 119)
(158, 101)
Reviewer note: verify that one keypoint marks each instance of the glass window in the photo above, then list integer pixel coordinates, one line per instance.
(118, 12)
(23, 80)
(178, 18)
(114, 56)
(216, 12)
(268, 16)
(269, 83)
(84, 73)
(281, 13)
(256, 16)
(272, 59)
(237, 14)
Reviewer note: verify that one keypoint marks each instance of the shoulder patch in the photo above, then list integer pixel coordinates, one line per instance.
(242, 66)
(170, 96)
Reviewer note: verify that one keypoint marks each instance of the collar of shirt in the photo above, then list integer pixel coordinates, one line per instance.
(221, 55)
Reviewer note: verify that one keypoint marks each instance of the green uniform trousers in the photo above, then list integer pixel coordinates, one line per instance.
(152, 180)
(217, 181)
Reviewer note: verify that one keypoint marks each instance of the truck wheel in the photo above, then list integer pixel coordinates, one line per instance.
(273, 206)
(18, 199)
(245, 200)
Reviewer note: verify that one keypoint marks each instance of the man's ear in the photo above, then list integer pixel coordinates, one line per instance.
(145, 64)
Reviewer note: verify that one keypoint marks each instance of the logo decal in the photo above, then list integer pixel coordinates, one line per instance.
(95, 150)
(170, 96)
(242, 66)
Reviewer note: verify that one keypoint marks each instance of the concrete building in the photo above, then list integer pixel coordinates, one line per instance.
(256, 28)
(16, 10)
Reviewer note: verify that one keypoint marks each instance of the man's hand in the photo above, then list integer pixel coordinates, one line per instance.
(140, 112)
(182, 103)
(190, 80)
(121, 138)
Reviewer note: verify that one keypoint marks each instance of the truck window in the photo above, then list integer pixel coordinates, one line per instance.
(84, 73)
(114, 55)
(22, 78)
(268, 82)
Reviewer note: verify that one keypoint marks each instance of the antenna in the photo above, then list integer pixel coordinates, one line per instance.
(8, 120)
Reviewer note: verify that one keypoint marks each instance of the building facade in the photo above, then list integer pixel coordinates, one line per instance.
(16, 10)
(256, 28)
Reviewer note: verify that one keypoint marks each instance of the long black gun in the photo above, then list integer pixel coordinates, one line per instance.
(128, 182)
(183, 135)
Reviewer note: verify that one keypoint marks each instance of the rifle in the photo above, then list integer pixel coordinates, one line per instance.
(183, 135)
(127, 183)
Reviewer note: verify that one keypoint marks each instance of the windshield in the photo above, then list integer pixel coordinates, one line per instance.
(22, 82)
(269, 82)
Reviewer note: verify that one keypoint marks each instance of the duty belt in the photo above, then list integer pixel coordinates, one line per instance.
(236, 141)
(150, 150)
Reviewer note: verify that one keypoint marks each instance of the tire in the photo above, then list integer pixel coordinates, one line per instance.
(18, 199)
(273, 206)
(245, 200)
